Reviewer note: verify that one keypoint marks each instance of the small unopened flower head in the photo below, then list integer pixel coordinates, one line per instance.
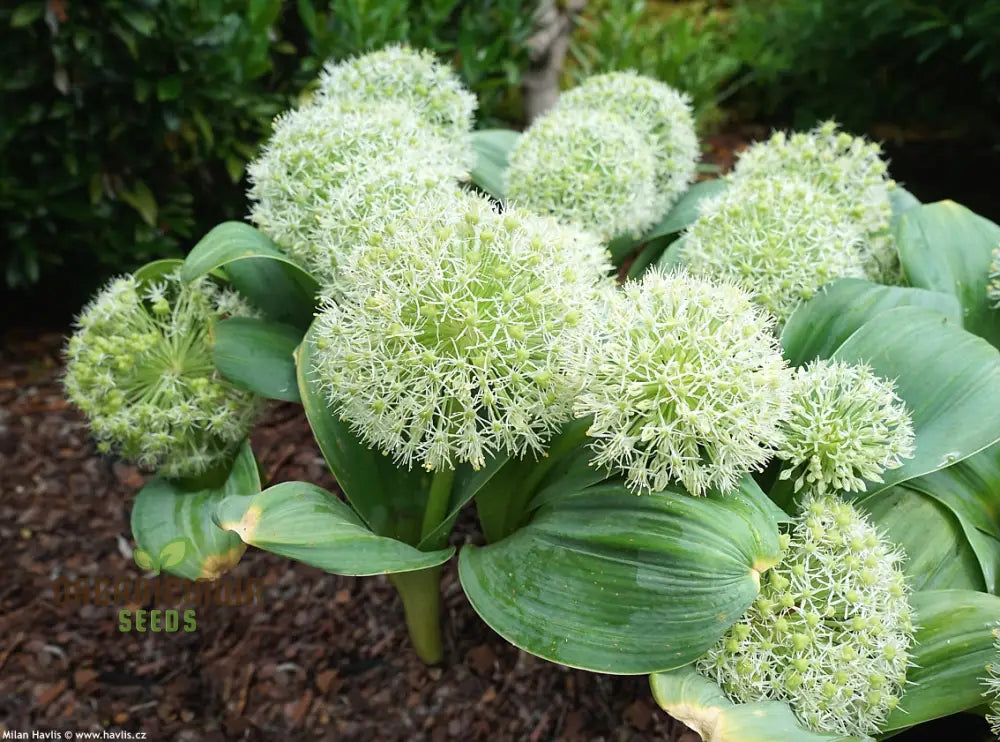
(444, 343)
(686, 383)
(993, 287)
(830, 631)
(412, 77)
(992, 685)
(849, 167)
(328, 172)
(589, 168)
(140, 367)
(846, 427)
(781, 239)
(656, 109)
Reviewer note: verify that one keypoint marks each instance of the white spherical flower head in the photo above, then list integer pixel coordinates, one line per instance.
(686, 384)
(328, 172)
(849, 167)
(831, 630)
(656, 109)
(589, 168)
(443, 345)
(846, 427)
(413, 77)
(991, 684)
(781, 239)
(140, 367)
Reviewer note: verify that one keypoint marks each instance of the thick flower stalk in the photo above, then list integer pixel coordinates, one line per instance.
(140, 367)
(992, 685)
(411, 77)
(781, 239)
(588, 168)
(444, 343)
(831, 630)
(685, 382)
(656, 109)
(850, 168)
(846, 427)
(330, 174)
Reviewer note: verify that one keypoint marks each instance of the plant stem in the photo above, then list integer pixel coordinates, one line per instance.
(437, 501)
(570, 438)
(420, 592)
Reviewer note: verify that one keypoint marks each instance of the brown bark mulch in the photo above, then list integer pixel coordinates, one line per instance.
(321, 657)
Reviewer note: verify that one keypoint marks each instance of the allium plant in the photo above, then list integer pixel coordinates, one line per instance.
(992, 684)
(848, 167)
(782, 239)
(452, 351)
(846, 426)
(993, 287)
(831, 630)
(589, 168)
(685, 383)
(654, 108)
(140, 367)
(444, 345)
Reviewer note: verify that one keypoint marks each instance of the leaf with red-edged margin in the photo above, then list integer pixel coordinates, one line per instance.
(938, 554)
(953, 645)
(258, 269)
(820, 325)
(946, 247)
(970, 489)
(609, 581)
(258, 355)
(166, 511)
(304, 522)
(702, 706)
(949, 379)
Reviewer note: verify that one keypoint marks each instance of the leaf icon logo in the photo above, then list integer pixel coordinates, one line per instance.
(172, 553)
(145, 560)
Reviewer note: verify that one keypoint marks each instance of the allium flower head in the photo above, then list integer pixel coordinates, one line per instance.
(846, 426)
(992, 684)
(412, 77)
(443, 345)
(993, 287)
(140, 367)
(850, 168)
(831, 630)
(781, 239)
(328, 172)
(686, 383)
(589, 168)
(654, 108)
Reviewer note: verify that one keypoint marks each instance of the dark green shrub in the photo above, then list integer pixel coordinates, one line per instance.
(125, 125)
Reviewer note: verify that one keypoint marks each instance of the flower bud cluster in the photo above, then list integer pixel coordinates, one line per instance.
(846, 427)
(848, 167)
(781, 238)
(685, 382)
(830, 631)
(444, 342)
(992, 685)
(612, 156)
(140, 367)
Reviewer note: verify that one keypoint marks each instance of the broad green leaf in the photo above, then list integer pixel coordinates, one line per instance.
(954, 643)
(970, 489)
(258, 269)
(389, 499)
(166, 512)
(704, 708)
(304, 522)
(949, 379)
(492, 148)
(946, 247)
(609, 581)
(685, 210)
(820, 325)
(938, 554)
(156, 270)
(902, 201)
(258, 355)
